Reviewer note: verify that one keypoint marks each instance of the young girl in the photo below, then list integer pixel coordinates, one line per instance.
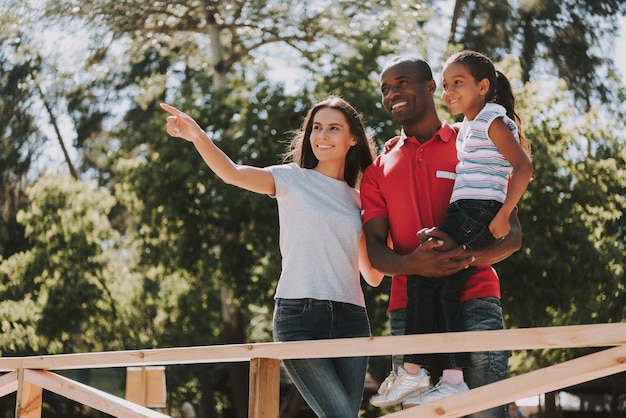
(319, 294)
(493, 172)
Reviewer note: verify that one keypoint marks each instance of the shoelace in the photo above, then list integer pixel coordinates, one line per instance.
(384, 387)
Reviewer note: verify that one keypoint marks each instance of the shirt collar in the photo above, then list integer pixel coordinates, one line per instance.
(445, 133)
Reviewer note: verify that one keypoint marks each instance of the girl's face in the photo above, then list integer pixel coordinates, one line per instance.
(462, 93)
(331, 138)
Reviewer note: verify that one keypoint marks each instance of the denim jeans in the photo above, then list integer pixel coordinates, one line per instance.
(467, 222)
(433, 306)
(332, 387)
(397, 325)
(486, 366)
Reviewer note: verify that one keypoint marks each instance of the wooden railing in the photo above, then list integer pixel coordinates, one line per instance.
(29, 376)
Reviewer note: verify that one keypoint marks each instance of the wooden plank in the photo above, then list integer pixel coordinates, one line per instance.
(264, 397)
(89, 396)
(10, 364)
(29, 396)
(597, 335)
(548, 379)
(8, 383)
(146, 386)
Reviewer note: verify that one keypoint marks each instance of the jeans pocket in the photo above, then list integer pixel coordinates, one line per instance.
(480, 238)
(355, 309)
(287, 309)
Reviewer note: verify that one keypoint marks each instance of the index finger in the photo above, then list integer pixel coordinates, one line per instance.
(171, 109)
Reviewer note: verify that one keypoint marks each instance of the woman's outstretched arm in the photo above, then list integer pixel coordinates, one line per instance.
(255, 179)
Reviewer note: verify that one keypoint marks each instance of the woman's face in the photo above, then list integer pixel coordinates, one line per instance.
(331, 138)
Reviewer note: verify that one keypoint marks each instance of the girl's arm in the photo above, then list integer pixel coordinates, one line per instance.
(372, 276)
(255, 179)
(502, 136)
(502, 248)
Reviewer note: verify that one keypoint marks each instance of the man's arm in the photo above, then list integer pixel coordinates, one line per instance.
(424, 260)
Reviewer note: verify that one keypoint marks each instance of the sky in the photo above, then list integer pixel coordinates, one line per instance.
(620, 49)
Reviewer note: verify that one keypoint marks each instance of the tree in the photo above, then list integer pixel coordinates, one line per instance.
(570, 270)
(19, 139)
(67, 291)
(569, 36)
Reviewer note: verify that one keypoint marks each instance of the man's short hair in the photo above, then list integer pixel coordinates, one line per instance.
(421, 66)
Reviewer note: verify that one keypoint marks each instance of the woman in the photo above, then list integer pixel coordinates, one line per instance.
(323, 250)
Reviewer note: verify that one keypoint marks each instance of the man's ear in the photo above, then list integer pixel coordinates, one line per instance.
(431, 86)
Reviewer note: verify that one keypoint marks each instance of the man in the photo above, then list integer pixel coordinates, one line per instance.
(407, 189)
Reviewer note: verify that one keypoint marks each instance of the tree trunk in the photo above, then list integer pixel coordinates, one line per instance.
(57, 131)
(458, 5)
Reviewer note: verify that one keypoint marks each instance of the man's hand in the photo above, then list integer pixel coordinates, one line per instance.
(429, 260)
(426, 260)
(435, 234)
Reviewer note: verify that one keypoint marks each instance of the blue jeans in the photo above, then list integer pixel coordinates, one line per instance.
(433, 306)
(332, 387)
(397, 326)
(486, 366)
(467, 222)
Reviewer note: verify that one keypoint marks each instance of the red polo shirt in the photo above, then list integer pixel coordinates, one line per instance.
(411, 185)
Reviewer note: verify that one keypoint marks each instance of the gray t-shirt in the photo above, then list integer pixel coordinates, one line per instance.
(320, 228)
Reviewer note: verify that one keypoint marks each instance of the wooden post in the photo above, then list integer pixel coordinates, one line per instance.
(28, 404)
(264, 388)
(145, 386)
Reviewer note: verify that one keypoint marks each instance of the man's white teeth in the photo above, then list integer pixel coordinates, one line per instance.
(397, 105)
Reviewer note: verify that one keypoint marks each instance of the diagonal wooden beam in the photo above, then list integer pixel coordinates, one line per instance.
(89, 396)
(8, 383)
(548, 379)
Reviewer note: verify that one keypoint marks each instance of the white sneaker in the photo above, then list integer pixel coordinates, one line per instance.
(398, 387)
(440, 391)
(384, 387)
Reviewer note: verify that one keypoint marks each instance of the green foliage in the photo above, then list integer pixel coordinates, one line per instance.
(19, 140)
(549, 34)
(570, 269)
(64, 288)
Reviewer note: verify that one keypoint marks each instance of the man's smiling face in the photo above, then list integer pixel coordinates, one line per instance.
(404, 93)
